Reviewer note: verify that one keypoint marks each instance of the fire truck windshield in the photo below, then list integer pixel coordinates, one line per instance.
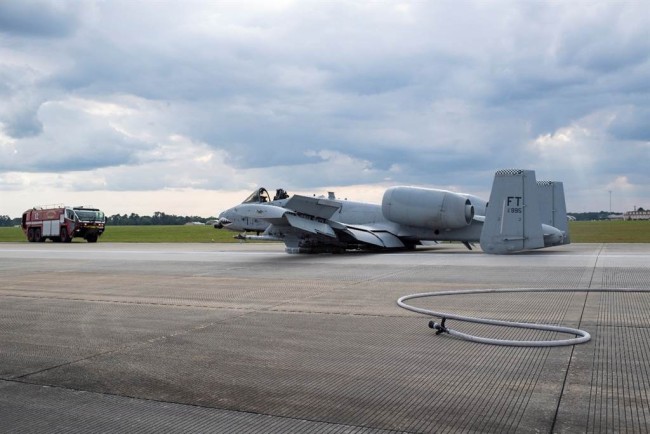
(88, 215)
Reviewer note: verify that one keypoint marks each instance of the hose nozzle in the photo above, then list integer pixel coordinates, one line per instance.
(439, 328)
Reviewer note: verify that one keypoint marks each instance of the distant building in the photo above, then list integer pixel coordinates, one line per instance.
(637, 215)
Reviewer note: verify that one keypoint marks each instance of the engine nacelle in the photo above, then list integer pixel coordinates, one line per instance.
(424, 207)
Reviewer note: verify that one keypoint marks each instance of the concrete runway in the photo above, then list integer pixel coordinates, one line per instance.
(245, 338)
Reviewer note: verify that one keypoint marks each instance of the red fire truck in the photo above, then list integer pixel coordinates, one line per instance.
(62, 223)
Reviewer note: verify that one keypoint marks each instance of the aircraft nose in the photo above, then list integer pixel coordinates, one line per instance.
(222, 221)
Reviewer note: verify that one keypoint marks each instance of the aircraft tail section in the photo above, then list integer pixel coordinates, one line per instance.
(553, 206)
(513, 220)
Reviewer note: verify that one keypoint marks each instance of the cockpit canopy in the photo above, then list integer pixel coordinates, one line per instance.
(261, 195)
(258, 196)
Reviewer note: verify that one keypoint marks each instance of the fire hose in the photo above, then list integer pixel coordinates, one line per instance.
(581, 335)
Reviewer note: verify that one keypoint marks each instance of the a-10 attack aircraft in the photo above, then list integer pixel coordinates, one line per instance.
(523, 214)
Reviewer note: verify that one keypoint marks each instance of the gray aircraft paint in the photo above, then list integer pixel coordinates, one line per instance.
(552, 206)
(522, 215)
(513, 221)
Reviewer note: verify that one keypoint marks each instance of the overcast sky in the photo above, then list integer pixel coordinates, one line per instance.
(186, 106)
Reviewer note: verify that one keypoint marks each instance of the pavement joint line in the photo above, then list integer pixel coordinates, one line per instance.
(131, 346)
(185, 404)
(593, 270)
(568, 366)
(202, 306)
(95, 300)
(341, 313)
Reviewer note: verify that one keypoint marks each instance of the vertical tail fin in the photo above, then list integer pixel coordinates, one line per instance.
(513, 220)
(553, 206)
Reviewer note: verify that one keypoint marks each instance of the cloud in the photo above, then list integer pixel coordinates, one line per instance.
(127, 96)
(631, 123)
(605, 38)
(39, 18)
(22, 100)
(74, 138)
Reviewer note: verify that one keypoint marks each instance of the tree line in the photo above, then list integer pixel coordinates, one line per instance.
(6, 221)
(595, 215)
(158, 218)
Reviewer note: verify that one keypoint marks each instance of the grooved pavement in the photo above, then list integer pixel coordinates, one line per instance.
(245, 338)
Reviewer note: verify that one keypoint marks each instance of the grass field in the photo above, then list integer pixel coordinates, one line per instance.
(143, 234)
(607, 231)
(581, 232)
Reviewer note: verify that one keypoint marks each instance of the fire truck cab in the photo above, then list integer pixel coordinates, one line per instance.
(62, 223)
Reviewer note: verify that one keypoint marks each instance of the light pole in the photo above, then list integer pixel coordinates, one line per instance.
(610, 201)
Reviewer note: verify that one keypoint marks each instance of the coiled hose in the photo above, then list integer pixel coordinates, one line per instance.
(581, 335)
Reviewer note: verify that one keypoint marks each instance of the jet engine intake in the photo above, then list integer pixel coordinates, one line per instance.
(425, 207)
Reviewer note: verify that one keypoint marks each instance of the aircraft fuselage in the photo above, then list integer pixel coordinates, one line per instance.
(526, 215)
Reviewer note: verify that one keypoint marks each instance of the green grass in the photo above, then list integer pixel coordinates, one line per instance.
(606, 231)
(144, 234)
(581, 232)
(11, 235)
(166, 234)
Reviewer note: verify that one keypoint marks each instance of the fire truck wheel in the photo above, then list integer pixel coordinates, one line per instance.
(37, 236)
(92, 238)
(30, 235)
(64, 235)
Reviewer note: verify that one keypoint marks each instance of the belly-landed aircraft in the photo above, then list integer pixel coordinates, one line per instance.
(522, 214)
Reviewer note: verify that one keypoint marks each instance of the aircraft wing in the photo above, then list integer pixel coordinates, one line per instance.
(375, 236)
(308, 225)
(325, 209)
(283, 217)
(313, 206)
(308, 216)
